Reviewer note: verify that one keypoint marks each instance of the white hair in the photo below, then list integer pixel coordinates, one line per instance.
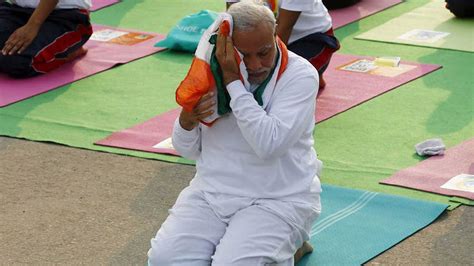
(248, 14)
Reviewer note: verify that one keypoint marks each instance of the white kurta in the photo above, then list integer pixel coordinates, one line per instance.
(256, 152)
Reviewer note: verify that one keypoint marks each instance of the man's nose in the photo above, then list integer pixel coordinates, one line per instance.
(252, 63)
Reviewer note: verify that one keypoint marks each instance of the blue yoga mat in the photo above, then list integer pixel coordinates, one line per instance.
(357, 225)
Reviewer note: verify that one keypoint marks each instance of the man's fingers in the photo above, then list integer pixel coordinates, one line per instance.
(10, 45)
(229, 45)
(23, 48)
(204, 106)
(220, 45)
(204, 115)
(207, 96)
(15, 48)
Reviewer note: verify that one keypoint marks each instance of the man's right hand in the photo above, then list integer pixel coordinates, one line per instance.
(204, 108)
(20, 40)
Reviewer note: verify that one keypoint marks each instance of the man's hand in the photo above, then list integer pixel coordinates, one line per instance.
(225, 56)
(20, 40)
(22, 37)
(204, 108)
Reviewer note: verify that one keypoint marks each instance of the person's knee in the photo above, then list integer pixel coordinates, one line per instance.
(17, 66)
(179, 251)
(162, 253)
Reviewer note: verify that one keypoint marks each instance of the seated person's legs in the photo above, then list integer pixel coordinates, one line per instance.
(335, 4)
(317, 48)
(189, 235)
(259, 235)
(58, 41)
(10, 20)
(461, 8)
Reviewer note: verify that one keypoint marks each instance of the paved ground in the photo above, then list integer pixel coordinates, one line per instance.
(62, 205)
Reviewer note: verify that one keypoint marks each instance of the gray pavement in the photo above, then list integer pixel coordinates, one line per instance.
(62, 205)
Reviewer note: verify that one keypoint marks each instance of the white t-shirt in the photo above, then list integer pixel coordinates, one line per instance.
(314, 17)
(255, 152)
(62, 4)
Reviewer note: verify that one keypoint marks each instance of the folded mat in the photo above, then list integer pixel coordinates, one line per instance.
(340, 94)
(451, 174)
(431, 25)
(357, 225)
(98, 4)
(343, 16)
(107, 48)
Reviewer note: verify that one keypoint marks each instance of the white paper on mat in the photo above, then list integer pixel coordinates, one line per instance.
(362, 65)
(106, 35)
(165, 144)
(428, 36)
(462, 182)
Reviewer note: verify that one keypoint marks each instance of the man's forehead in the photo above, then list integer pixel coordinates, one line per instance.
(262, 48)
(255, 40)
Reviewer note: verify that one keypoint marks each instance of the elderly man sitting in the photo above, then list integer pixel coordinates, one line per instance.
(256, 192)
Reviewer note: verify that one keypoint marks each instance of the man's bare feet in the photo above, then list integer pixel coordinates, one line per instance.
(303, 250)
(322, 84)
(78, 53)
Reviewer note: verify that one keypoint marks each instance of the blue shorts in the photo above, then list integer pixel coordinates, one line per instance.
(317, 48)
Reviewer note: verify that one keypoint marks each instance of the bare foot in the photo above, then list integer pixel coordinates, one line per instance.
(303, 250)
(322, 85)
(78, 53)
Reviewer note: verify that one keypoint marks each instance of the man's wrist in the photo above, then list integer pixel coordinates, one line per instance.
(187, 126)
(230, 78)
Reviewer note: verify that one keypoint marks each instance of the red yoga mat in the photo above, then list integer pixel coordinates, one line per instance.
(362, 9)
(102, 55)
(341, 94)
(98, 4)
(432, 173)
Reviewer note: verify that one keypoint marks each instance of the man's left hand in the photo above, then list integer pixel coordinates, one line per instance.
(225, 56)
(20, 40)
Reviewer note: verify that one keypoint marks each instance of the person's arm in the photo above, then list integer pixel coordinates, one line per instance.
(272, 133)
(23, 36)
(186, 133)
(285, 22)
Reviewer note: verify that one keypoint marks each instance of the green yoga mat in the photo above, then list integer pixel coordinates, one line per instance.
(357, 225)
(359, 147)
(431, 25)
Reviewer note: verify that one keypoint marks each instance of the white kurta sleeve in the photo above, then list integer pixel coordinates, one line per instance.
(272, 133)
(187, 143)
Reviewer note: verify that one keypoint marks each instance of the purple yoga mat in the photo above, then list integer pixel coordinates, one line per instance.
(341, 94)
(98, 4)
(364, 8)
(430, 174)
(101, 56)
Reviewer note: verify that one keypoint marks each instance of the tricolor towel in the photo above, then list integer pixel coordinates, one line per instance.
(205, 75)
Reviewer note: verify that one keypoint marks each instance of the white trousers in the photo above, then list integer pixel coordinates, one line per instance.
(218, 229)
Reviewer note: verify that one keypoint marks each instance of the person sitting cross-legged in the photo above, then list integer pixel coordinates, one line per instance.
(39, 36)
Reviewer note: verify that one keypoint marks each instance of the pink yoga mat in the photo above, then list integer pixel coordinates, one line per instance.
(341, 94)
(146, 135)
(101, 56)
(364, 8)
(98, 4)
(432, 173)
